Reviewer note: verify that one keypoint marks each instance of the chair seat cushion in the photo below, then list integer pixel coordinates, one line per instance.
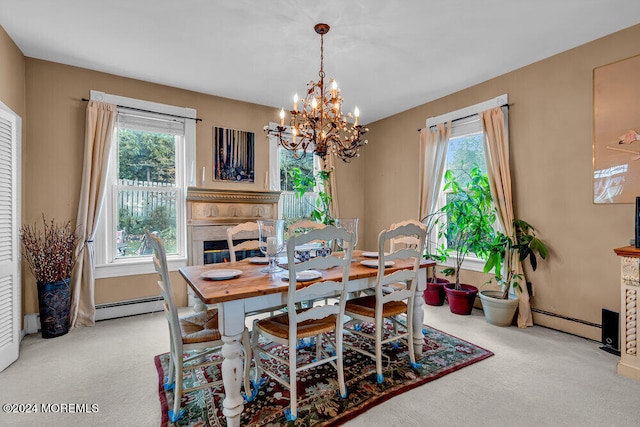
(366, 306)
(200, 327)
(278, 326)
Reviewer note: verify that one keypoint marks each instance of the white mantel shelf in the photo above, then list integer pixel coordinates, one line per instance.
(211, 211)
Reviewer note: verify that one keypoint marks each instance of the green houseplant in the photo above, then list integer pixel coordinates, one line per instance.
(303, 183)
(50, 253)
(523, 244)
(468, 228)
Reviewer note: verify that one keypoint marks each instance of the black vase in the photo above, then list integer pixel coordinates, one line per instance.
(55, 302)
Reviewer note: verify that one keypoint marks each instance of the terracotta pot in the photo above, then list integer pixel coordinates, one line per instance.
(461, 302)
(434, 293)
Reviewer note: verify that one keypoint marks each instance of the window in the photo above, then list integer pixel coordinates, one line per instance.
(146, 187)
(465, 150)
(283, 162)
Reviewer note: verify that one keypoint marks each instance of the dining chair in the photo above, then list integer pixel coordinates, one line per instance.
(193, 338)
(303, 225)
(402, 242)
(247, 229)
(290, 329)
(386, 305)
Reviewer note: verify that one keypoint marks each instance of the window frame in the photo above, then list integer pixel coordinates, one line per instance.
(471, 261)
(107, 263)
(274, 168)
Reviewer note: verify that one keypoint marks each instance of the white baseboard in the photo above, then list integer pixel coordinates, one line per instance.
(106, 311)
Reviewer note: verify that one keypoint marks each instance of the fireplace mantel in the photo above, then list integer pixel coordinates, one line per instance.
(210, 212)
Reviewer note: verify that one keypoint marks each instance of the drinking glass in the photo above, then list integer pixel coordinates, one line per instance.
(271, 241)
(351, 225)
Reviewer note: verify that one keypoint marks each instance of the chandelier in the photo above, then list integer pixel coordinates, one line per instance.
(320, 123)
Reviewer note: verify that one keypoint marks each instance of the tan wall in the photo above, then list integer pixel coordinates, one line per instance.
(12, 81)
(54, 154)
(550, 121)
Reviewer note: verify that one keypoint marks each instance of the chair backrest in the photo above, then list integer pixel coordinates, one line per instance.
(300, 291)
(161, 266)
(303, 225)
(409, 276)
(245, 230)
(404, 241)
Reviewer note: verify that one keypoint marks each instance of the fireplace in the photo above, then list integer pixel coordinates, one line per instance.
(210, 212)
(216, 251)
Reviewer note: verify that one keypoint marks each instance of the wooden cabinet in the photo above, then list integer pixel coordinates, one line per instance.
(629, 365)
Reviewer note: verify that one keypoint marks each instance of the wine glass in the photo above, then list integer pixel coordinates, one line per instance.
(351, 225)
(271, 241)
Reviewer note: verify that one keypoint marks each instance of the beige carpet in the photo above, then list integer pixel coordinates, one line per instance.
(538, 377)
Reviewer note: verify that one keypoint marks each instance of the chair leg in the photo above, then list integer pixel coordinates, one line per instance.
(292, 413)
(340, 362)
(248, 356)
(379, 375)
(412, 355)
(255, 335)
(175, 413)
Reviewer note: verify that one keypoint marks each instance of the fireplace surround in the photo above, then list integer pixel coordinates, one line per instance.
(211, 211)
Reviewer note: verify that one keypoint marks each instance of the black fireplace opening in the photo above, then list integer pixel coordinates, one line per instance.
(216, 251)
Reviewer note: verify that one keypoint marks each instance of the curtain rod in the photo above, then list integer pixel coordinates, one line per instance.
(465, 117)
(154, 112)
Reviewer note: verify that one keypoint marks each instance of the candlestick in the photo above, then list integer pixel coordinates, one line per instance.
(356, 113)
(203, 175)
(295, 102)
(282, 117)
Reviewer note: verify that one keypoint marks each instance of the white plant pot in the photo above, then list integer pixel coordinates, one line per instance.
(498, 311)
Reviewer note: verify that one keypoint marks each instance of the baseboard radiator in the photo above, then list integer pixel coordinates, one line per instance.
(112, 310)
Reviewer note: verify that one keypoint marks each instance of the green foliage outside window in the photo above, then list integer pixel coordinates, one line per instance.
(146, 161)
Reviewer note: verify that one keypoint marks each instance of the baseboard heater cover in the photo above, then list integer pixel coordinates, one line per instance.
(112, 310)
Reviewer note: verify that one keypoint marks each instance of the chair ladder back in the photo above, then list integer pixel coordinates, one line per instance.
(248, 230)
(301, 291)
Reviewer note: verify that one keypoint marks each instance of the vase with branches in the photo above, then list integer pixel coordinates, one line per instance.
(50, 253)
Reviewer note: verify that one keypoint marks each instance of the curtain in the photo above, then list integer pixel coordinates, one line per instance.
(497, 153)
(433, 156)
(100, 122)
(327, 164)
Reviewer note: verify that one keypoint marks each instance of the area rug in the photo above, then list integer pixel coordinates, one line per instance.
(318, 400)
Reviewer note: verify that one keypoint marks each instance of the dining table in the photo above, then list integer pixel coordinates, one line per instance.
(241, 288)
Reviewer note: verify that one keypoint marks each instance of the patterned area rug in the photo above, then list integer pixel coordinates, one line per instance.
(318, 400)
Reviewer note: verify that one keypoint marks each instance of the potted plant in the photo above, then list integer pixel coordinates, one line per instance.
(468, 228)
(434, 293)
(50, 253)
(500, 306)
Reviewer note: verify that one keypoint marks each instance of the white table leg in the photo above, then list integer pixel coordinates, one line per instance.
(418, 313)
(231, 327)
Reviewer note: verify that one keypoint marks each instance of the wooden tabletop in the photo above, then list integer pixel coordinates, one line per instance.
(252, 282)
(628, 251)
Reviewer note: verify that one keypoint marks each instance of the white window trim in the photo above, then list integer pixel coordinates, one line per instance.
(274, 165)
(106, 266)
(471, 262)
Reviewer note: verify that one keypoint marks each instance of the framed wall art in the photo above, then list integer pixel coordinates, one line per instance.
(616, 132)
(233, 155)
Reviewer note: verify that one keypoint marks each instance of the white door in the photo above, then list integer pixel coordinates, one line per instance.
(9, 238)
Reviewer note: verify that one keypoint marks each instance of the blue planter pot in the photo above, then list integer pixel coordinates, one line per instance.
(54, 300)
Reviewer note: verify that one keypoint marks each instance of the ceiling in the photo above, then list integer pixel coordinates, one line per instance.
(387, 56)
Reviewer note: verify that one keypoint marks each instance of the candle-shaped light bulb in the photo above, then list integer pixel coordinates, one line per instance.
(334, 88)
(314, 103)
(356, 113)
(294, 132)
(282, 117)
(295, 102)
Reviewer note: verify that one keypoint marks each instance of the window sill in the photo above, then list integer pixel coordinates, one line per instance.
(135, 267)
(470, 263)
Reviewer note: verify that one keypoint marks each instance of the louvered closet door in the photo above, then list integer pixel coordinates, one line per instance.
(9, 240)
